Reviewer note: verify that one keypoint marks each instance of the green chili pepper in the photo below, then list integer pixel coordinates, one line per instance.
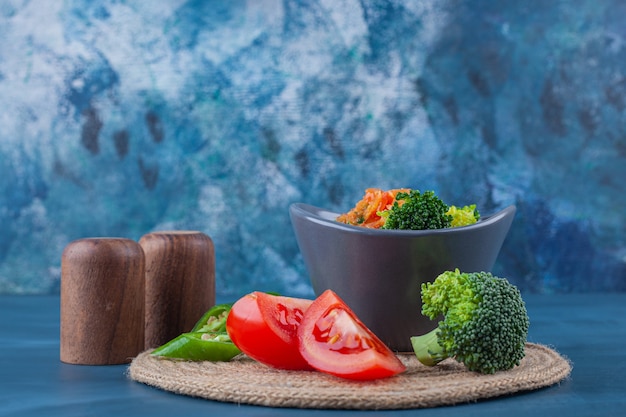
(197, 346)
(214, 320)
(207, 341)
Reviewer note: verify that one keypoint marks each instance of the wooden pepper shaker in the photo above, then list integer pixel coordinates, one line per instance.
(180, 282)
(102, 301)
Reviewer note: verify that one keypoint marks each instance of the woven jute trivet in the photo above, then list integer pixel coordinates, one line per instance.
(245, 381)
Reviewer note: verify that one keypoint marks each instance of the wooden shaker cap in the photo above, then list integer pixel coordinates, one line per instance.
(102, 301)
(180, 282)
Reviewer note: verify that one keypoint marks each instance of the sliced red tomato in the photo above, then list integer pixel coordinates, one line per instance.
(264, 327)
(333, 340)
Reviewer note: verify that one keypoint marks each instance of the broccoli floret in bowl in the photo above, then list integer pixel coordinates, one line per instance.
(485, 322)
(417, 211)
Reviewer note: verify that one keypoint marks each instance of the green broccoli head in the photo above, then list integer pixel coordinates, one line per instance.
(485, 322)
(417, 211)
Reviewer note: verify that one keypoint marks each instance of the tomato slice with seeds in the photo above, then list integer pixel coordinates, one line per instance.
(333, 340)
(264, 327)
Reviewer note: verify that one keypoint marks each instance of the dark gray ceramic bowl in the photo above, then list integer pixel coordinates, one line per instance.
(379, 273)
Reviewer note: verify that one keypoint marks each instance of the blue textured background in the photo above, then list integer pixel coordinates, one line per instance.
(123, 117)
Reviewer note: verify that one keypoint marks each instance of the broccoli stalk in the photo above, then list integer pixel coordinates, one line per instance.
(484, 326)
(427, 348)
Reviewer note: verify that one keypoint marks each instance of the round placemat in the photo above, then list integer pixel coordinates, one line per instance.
(245, 381)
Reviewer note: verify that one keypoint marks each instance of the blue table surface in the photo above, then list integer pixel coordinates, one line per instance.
(588, 329)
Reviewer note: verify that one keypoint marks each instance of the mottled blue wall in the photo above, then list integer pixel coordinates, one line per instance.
(123, 117)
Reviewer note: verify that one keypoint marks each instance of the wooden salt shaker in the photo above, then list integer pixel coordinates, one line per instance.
(102, 301)
(180, 282)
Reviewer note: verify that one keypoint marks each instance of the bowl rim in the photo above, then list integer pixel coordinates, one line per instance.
(327, 218)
